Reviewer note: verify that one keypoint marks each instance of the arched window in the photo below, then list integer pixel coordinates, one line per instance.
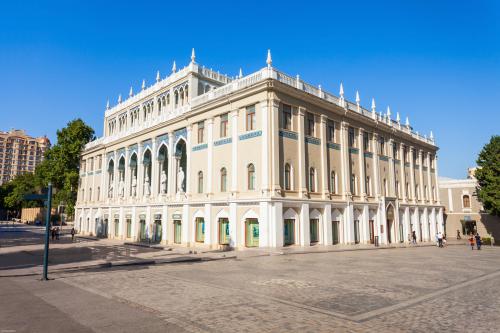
(90, 194)
(385, 187)
(251, 177)
(333, 182)
(200, 182)
(312, 180)
(287, 177)
(223, 180)
(98, 193)
(466, 201)
(83, 194)
(368, 186)
(353, 184)
(425, 192)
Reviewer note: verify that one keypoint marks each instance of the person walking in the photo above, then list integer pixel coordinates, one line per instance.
(458, 234)
(478, 241)
(471, 241)
(57, 233)
(437, 239)
(414, 237)
(440, 239)
(53, 233)
(73, 234)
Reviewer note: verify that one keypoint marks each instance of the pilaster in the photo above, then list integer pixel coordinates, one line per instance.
(362, 164)
(274, 144)
(324, 164)
(234, 152)
(210, 153)
(346, 168)
(264, 109)
(302, 158)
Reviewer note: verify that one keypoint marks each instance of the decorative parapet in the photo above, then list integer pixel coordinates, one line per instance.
(200, 147)
(288, 134)
(312, 140)
(332, 145)
(250, 135)
(223, 141)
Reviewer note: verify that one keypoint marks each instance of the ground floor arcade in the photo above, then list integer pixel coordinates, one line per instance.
(263, 224)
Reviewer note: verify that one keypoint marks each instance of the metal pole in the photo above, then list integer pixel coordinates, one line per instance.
(47, 231)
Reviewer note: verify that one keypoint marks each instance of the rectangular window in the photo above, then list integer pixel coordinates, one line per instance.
(200, 229)
(201, 129)
(223, 125)
(366, 141)
(331, 131)
(287, 117)
(351, 137)
(381, 145)
(250, 126)
(223, 231)
(395, 151)
(310, 124)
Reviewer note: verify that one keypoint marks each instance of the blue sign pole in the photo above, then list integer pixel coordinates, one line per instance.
(47, 231)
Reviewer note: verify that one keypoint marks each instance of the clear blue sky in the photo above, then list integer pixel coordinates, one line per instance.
(436, 61)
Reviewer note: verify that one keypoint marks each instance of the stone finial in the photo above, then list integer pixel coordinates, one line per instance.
(119, 98)
(193, 56)
(407, 123)
(131, 92)
(269, 60)
(374, 114)
(143, 84)
(357, 98)
(431, 136)
(240, 75)
(341, 91)
(398, 119)
(388, 112)
(157, 76)
(174, 67)
(107, 105)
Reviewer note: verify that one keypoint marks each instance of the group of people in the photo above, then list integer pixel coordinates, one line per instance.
(55, 233)
(440, 239)
(475, 239)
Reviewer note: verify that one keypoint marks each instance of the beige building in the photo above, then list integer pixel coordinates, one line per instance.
(20, 153)
(463, 212)
(200, 158)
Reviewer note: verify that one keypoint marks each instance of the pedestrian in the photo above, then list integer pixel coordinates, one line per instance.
(53, 232)
(414, 237)
(444, 240)
(440, 239)
(57, 233)
(471, 241)
(73, 234)
(437, 239)
(458, 234)
(478, 241)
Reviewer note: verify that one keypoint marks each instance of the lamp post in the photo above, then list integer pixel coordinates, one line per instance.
(47, 231)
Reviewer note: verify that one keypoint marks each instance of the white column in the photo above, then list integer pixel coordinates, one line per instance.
(327, 225)
(140, 171)
(365, 232)
(148, 220)
(412, 176)
(432, 222)
(274, 145)
(305, 237)
(210, 143)
(127, 173)
(234, 152)
(403, 174)
(407, 224)
(277, 236)
(421, 175)
(344, 148)
(417, 223)
(264, 224)
(164, 219)
(392, 171)
(450, 199)
(209, 226)
(185, 225)
(436, 179)
(115, 176)
(133, 234)
(302, 157)
(171, 165)
(233, 223)
(324, 164)
(429, 180)
(188, 160)
(265, 147)
(376, 167)
(349, 223)
(154, 170)
(362, 175)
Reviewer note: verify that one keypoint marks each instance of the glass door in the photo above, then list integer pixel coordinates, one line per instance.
(372, 231)
(117, 227)
(335, 232)
(200, 229)
(142, 229)
(356, 231)
(223, 231)
(313, 228)
(129, 228)
(289, 231)
(252, 233)
(157, 231)
(177, 231)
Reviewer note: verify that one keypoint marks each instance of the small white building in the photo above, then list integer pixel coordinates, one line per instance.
(266, 159)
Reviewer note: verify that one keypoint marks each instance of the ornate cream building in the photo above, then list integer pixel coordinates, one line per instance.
(200, 158)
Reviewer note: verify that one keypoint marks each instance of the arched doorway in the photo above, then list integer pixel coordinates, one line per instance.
(289, 223)
(111, 177)
(181, 164)
(390, 224)
(146, 161)
(121, 177)
(163, 167)
(133, 175)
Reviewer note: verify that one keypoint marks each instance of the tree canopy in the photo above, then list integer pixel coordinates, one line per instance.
(488, 176)
(60, 167)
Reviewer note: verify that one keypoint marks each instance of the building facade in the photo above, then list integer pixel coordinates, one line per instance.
(266, 159)
(463, 212)
(20, 153)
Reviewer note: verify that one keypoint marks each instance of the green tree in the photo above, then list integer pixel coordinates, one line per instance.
(62, 163)
(16, 189)
(488, 176)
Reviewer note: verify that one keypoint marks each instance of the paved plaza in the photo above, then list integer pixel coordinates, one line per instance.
(388, 290)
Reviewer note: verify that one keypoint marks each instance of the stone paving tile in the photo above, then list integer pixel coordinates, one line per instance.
(315, 292)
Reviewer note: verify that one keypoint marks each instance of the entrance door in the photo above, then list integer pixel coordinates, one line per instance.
(469, 227)
(389, 231)
(289, 231)
(117, 227)
(157, 231)
(177, 231)
(372, 231)
(252, 233)
(313, 228)
(200, 229)
(223, 231)
(356, 231)
(335, 232)
(129, 228)
(142, 229)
